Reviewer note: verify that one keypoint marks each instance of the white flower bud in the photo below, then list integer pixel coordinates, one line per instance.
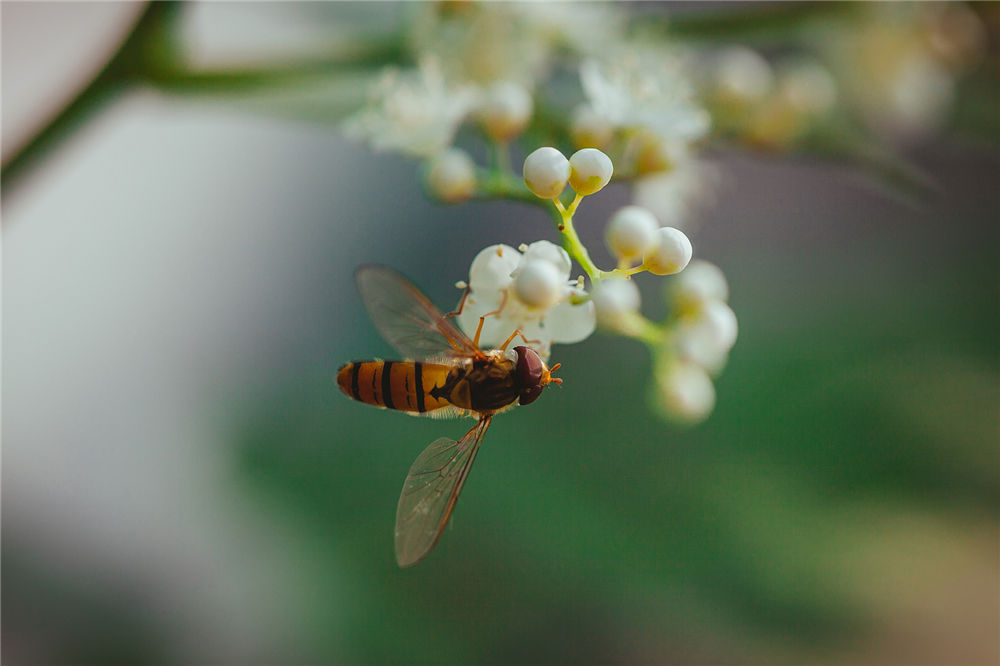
(615, 298)
(698, 284)
(685, 392)
(742, 75)
(707, 338)
(670, 255)
(807, 87)
(546, 172)
(921, 93)
(538, 284)
(492, 268)
(590, 171)
(505, 111)
(544, 250)
(590, 129)
(631, 232)
(451, 176)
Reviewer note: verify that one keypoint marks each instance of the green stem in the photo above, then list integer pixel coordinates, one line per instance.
(563, 218)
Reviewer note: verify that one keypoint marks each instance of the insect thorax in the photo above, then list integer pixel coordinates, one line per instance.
(484, 385)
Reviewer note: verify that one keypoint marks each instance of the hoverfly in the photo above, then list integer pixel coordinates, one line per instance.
(447, 375)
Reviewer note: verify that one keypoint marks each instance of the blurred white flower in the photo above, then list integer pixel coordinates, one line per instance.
(806, 86)
(899, 67)
(920, 95)
(683, 391)
(451, 175)
(739, 76)
(590, 129)
(504, 110)
(650, 93)
(675, 196)
(481, 43)
(413, 112)
(698, 284)
(615, 299)
(631, 231)
(534, 293)
(706, 337)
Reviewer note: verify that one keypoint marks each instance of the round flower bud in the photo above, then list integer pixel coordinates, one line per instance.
(685, 392)
(538, 284)
(546, 172)
(742, 75)
(505, 111)
(670, 255)
(589, 129)
(807, 87)
(698, 284)
(590, 171)
(451, 176)
(707, 338)
(631, 232)
(544, 250)
(614, 298)
(492, 267)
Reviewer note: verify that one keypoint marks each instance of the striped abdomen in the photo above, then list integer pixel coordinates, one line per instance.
(402, 385)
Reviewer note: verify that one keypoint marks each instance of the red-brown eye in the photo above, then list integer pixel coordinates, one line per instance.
(530, 395)
(529, 369)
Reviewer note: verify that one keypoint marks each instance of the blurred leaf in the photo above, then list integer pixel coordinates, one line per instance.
(840, 140)
(758, 24)
(977, 105)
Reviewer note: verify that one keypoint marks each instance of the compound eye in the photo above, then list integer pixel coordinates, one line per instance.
(529, 395)
(529, 368)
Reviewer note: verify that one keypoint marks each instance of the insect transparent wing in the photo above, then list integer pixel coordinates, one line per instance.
(431, 491)
(407, 319)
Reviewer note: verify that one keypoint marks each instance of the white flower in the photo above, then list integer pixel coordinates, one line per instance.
(451, 176)
(630, 232)
(671, 253)
(806, 86)
(615, 299)
(636, 92)
(707, 337)
(546, 172)
(413, 112)
(535, 293)
(920, 95)
(589, 129)
(740, 76)
(504, 110)
(700, 283)
(675, 196)
(482, 43)
(684, 392)
(590, 171)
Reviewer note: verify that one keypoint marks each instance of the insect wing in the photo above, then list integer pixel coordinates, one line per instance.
(431, 491)
(407, 319)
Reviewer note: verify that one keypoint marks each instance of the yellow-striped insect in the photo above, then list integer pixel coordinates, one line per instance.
(447, 374)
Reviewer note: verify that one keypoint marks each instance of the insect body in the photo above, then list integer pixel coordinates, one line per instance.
(448, 376)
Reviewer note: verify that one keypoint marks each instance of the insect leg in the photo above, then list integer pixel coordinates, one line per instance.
(482, 320)
(514, 335)
(461, 304)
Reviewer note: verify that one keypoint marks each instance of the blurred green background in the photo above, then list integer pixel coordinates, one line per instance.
(184, 482)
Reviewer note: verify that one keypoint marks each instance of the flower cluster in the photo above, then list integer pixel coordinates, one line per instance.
(491, 66)
(704, 330)
(530, 290)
